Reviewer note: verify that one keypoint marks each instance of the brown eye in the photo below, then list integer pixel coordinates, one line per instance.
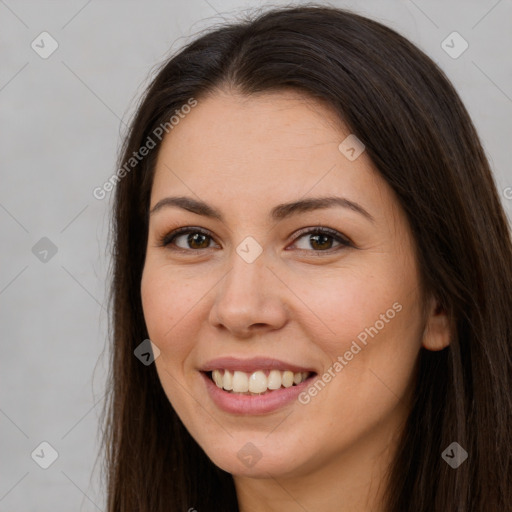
(197, 241)
(322, 240)
(193, 239)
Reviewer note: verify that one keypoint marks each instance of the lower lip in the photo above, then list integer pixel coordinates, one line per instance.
(235, 403)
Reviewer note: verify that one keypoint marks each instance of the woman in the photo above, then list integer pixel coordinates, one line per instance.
(309, 233)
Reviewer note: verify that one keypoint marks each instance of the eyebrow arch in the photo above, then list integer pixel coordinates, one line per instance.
(279, 212)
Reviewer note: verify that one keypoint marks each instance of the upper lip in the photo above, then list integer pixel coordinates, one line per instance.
(253, 364)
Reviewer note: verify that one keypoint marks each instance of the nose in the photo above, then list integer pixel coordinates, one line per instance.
(250, 299)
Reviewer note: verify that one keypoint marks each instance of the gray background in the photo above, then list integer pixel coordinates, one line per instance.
(61, 123)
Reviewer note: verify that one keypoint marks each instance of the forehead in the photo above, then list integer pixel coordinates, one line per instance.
(265, 148)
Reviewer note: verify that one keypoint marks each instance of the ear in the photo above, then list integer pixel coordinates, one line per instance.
(438, 332)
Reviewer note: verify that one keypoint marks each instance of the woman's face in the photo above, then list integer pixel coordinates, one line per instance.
(256, 290)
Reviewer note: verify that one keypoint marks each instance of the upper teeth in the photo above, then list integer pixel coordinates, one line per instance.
(256, 382)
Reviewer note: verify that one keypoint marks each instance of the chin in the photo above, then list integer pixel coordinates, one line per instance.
(257, 458)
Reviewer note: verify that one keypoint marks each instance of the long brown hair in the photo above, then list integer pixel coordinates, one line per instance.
(421, 139)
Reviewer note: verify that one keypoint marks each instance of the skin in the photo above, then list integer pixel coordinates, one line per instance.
(243, 156)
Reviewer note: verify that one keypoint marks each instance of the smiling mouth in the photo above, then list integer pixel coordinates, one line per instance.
(260, 382)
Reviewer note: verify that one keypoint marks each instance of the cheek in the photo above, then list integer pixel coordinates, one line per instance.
(155, 302)
(171, 309)
(165, 303)
(362, 306)
(373, 337)
(370, 361)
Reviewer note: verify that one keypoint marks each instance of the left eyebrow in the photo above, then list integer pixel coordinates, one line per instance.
(279, 212)
(283, 211)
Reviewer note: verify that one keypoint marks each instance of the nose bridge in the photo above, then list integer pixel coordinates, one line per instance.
(244, 283)
(249, 293)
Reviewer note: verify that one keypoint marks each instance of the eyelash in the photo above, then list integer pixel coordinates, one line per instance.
(167, 239)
